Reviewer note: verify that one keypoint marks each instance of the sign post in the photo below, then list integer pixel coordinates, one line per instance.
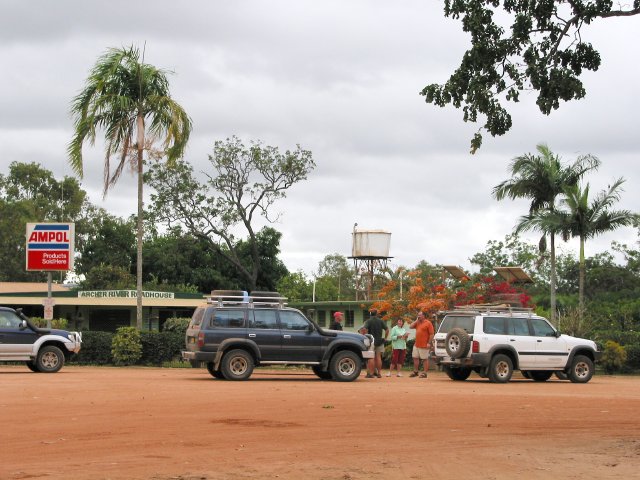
(50, 248)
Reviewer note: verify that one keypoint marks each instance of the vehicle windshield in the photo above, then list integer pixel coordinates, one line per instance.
(456, 321)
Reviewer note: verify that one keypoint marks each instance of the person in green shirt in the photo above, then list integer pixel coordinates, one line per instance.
(399, 336)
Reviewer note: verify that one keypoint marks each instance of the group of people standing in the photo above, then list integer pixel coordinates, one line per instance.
(399, 335)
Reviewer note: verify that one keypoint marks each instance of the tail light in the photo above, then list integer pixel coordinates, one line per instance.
(201, 339)
(475, 347)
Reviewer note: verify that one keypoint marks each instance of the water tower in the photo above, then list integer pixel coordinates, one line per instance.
(370, 253)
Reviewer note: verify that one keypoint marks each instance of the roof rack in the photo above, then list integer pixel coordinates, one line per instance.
(489, 308)
(226, 298)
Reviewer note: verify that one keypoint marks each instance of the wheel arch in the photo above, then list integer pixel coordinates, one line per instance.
(338, 347)
(237, 343)
(507, 350)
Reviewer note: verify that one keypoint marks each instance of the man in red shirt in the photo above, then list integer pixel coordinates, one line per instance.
(424, 334)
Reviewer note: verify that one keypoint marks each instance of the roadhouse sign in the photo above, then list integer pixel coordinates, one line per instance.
(50, 246)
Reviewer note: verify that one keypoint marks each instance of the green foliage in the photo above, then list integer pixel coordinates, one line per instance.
(58, 323)
(517, 46)
(160, 347)
(104, 277)
(176, 325)
(295, 287)
(96, 349)
(30, 193)
(126, 347)
(613, 357)
(243, 182)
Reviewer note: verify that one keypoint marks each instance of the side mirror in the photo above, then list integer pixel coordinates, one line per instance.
(23, 325)
(558, 334)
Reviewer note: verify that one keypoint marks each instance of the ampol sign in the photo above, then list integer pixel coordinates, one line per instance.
(50, 246)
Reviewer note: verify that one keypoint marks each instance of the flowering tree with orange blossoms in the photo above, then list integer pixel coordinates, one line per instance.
(430, 295)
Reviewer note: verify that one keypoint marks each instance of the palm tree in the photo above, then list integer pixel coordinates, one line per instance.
(583, 220)
(130, 101)
(541, 178)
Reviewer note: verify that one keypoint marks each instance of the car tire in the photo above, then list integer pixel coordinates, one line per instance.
(457, 343)
(345, 366)
(526, 374)
(323, 374)
(237, 365)
(500, 369)
(561, 375)
(581, 369)
(214, 373)
(540, 375)
(31, 365)
(457, 374)
(50, 359)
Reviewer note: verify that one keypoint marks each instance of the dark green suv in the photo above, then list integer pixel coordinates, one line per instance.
(235, 332)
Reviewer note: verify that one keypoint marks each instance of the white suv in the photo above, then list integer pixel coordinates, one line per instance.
(493, 341)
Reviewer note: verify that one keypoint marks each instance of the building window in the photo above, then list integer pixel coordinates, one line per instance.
(349, 320)
(322, 318)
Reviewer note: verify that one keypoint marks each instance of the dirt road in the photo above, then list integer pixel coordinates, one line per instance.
(148, 423)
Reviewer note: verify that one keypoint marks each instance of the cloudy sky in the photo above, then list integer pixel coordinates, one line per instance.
(342, 80)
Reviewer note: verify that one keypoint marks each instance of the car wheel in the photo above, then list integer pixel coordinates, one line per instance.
(237, 365)
(561, 375)
(50, 359)
(323, 374)
(458, 374)
(540, 375)
(526, 374)
(500, 369)
(581, 369)
(457, 343)
(214, 373)
(32, 366)
(345, 366)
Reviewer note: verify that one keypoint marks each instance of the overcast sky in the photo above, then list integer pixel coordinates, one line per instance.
(342, 80)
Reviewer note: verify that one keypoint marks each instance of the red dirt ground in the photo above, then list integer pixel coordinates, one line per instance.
(152, 423)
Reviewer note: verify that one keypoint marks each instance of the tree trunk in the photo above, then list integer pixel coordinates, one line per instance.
(140, 224)
(552, 280)
(581, 280)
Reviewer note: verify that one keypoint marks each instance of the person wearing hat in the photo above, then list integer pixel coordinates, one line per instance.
(337, 321)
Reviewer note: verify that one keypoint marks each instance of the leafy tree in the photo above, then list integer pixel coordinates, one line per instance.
(244, 183)
(583, 219)
(107, 240)
(296, 287)
(335, 278)
(30, 193)
(542, 178)
(521, 45)
(107, 277)
(511, 251)
(130, 101)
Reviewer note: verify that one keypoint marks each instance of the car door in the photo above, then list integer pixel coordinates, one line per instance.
(300, 340)
(265, 332)
(551, 351)
(520, 338)
(15, 341)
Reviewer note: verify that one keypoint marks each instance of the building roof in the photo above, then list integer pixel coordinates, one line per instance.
(28, 287)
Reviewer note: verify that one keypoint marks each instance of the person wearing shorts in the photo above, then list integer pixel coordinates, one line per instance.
(399, 336)
(375, 326)
(424, 334)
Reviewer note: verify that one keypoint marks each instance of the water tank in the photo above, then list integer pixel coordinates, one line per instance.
(370, 243)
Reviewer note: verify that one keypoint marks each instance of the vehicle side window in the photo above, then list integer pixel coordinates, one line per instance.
(518, 326)
(293, 321)
(494, 325)
(198, 315)
(9, 320)
(228, 319)
(541, 328)
(263, 319)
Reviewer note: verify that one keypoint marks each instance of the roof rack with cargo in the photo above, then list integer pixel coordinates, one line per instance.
(242, 297)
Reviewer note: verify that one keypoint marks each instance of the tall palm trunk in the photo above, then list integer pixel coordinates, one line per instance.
(553, 278)
(581, 280)
(140, 120)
